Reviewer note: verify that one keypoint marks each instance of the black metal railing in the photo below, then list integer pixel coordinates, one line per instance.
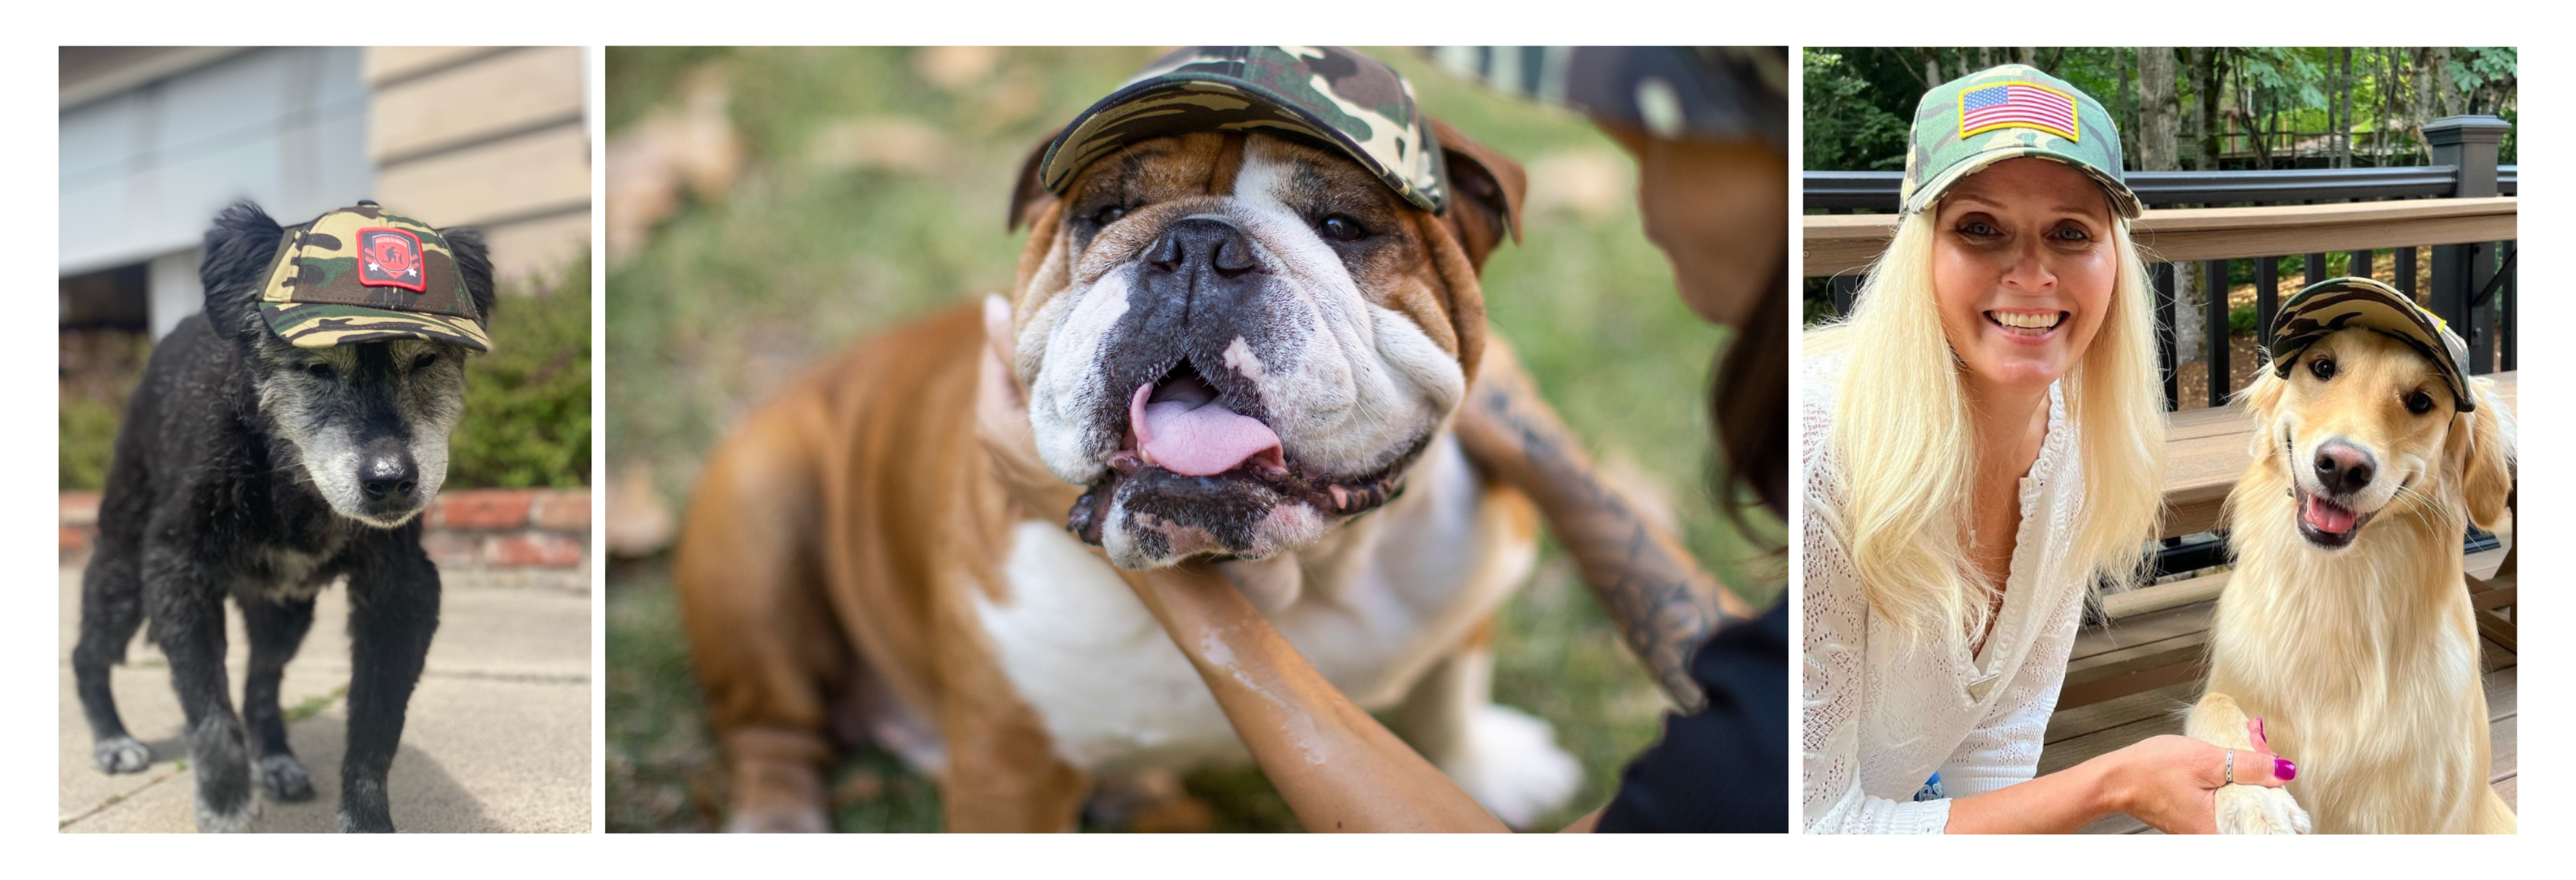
(2472, 285)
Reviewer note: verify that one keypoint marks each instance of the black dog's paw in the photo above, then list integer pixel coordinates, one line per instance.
(224, 810)
(353, 823)
(283, 778)
(121, 754)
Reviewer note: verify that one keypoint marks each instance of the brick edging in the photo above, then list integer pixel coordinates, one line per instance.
(485, 528)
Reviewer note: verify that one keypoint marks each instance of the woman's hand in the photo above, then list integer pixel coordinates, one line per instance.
(2171, 782)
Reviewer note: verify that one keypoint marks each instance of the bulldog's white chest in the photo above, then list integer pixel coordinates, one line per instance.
(1113, 691)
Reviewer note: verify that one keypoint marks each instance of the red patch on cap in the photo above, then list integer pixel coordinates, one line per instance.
(390, 258)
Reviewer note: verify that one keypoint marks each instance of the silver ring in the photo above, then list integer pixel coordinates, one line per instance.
(2231, 766)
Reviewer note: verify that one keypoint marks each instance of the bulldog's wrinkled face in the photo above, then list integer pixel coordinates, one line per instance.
(1236, 342)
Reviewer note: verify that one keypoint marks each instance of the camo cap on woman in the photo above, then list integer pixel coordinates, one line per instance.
(1336, 96)
(2009, 112)
(2341, 303)
(360, 274)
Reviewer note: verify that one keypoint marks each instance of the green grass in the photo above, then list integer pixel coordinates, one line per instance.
(801, 255)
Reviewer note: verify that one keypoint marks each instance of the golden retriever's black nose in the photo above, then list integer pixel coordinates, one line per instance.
(2343, 468)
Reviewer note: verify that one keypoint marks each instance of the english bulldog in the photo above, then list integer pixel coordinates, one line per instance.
(1241, 343)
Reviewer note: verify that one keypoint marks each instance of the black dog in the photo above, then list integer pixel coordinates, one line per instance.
(252, 468)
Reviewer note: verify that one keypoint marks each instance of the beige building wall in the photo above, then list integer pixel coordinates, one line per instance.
(489, 137)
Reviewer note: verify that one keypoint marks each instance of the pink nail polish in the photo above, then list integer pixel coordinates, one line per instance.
(2286, 771)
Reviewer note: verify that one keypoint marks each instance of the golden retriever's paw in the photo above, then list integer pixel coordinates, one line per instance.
(2253, 809)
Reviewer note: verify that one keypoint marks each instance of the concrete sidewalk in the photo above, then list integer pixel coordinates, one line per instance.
(498, 737)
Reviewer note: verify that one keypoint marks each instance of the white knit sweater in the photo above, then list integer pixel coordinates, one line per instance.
(1879, 720)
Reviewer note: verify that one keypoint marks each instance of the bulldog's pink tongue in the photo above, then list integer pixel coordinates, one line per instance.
(1184, 430)
(2327, 518)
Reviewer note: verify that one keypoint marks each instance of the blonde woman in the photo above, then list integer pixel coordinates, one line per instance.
(1983, 444)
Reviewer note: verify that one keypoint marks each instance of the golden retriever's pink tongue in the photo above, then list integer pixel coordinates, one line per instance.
(1184, 430)
(2327, 518)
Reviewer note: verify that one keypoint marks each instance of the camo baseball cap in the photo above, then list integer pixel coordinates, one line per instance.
(1341, 98)
(362, 274)
(2340, 303)
(2009, 112)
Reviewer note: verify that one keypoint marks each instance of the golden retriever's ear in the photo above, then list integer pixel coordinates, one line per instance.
(2485, 446)
(2262, 399)
(1028, 199)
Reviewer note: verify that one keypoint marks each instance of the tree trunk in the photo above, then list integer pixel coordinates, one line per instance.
(2423, 113)
(2204, 85)
(1932, 68)
(2159, 110)
(2446, 97)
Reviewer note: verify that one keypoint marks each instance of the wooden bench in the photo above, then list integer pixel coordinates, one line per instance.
(2134, 675)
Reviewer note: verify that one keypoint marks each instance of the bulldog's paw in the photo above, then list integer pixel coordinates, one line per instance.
(121, 754)
(1512, 765)
(2253, 809)
(283, 778)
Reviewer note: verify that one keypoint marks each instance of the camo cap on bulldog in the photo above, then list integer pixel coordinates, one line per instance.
(2340, 303)
(2009, 112)
(360, 274)
(1336, 96)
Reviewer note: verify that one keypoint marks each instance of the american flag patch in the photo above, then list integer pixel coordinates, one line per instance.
(2017, 104)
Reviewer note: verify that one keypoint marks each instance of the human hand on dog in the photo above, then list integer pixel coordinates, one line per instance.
(2172, 782)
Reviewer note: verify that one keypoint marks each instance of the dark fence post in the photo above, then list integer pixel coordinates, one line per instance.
(2213, 274)
(2468, 143)
(2165, 347)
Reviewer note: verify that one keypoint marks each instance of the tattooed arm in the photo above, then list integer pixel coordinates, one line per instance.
(1662, 601)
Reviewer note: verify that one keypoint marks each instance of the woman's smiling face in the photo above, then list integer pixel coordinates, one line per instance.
(2023, 265)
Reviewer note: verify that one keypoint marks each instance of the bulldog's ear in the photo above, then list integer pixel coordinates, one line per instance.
(1028, 199)
(474, 261)
(1485, 189)
(2485, 441)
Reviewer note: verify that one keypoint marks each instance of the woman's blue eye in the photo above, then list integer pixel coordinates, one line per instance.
(1977, 228)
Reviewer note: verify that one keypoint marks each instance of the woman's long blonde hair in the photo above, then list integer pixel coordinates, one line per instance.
(1903, 444)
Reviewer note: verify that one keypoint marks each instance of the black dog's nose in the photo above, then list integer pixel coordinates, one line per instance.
(388, 475)
(1200, 244)
(2344, 468)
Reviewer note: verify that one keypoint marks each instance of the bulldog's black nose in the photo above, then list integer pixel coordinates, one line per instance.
(1202, 245)
(386, 472)
(2344, 468)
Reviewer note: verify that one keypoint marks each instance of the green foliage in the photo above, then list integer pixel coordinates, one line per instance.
(88, 437)
(2287, 90)
(2240, 320)
(527, 402)
(99, 369)
(1843, 130)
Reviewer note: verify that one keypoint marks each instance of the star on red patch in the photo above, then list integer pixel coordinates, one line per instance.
(390, 258)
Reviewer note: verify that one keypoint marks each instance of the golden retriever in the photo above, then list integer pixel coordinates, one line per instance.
(2347, 626)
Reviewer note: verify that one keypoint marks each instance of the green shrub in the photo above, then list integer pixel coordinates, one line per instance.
(88, 439)
(527, 403)
(2240, 320)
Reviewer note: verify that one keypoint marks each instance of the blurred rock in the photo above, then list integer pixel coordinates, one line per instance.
(692, 145)
(1588, 183)
(639, 521)
(955, 67)
(898, 143)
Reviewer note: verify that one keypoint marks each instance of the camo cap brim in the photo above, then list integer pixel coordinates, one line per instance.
(362, 274)
(2364, 303)
(1336, 97)
(2012, 111)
